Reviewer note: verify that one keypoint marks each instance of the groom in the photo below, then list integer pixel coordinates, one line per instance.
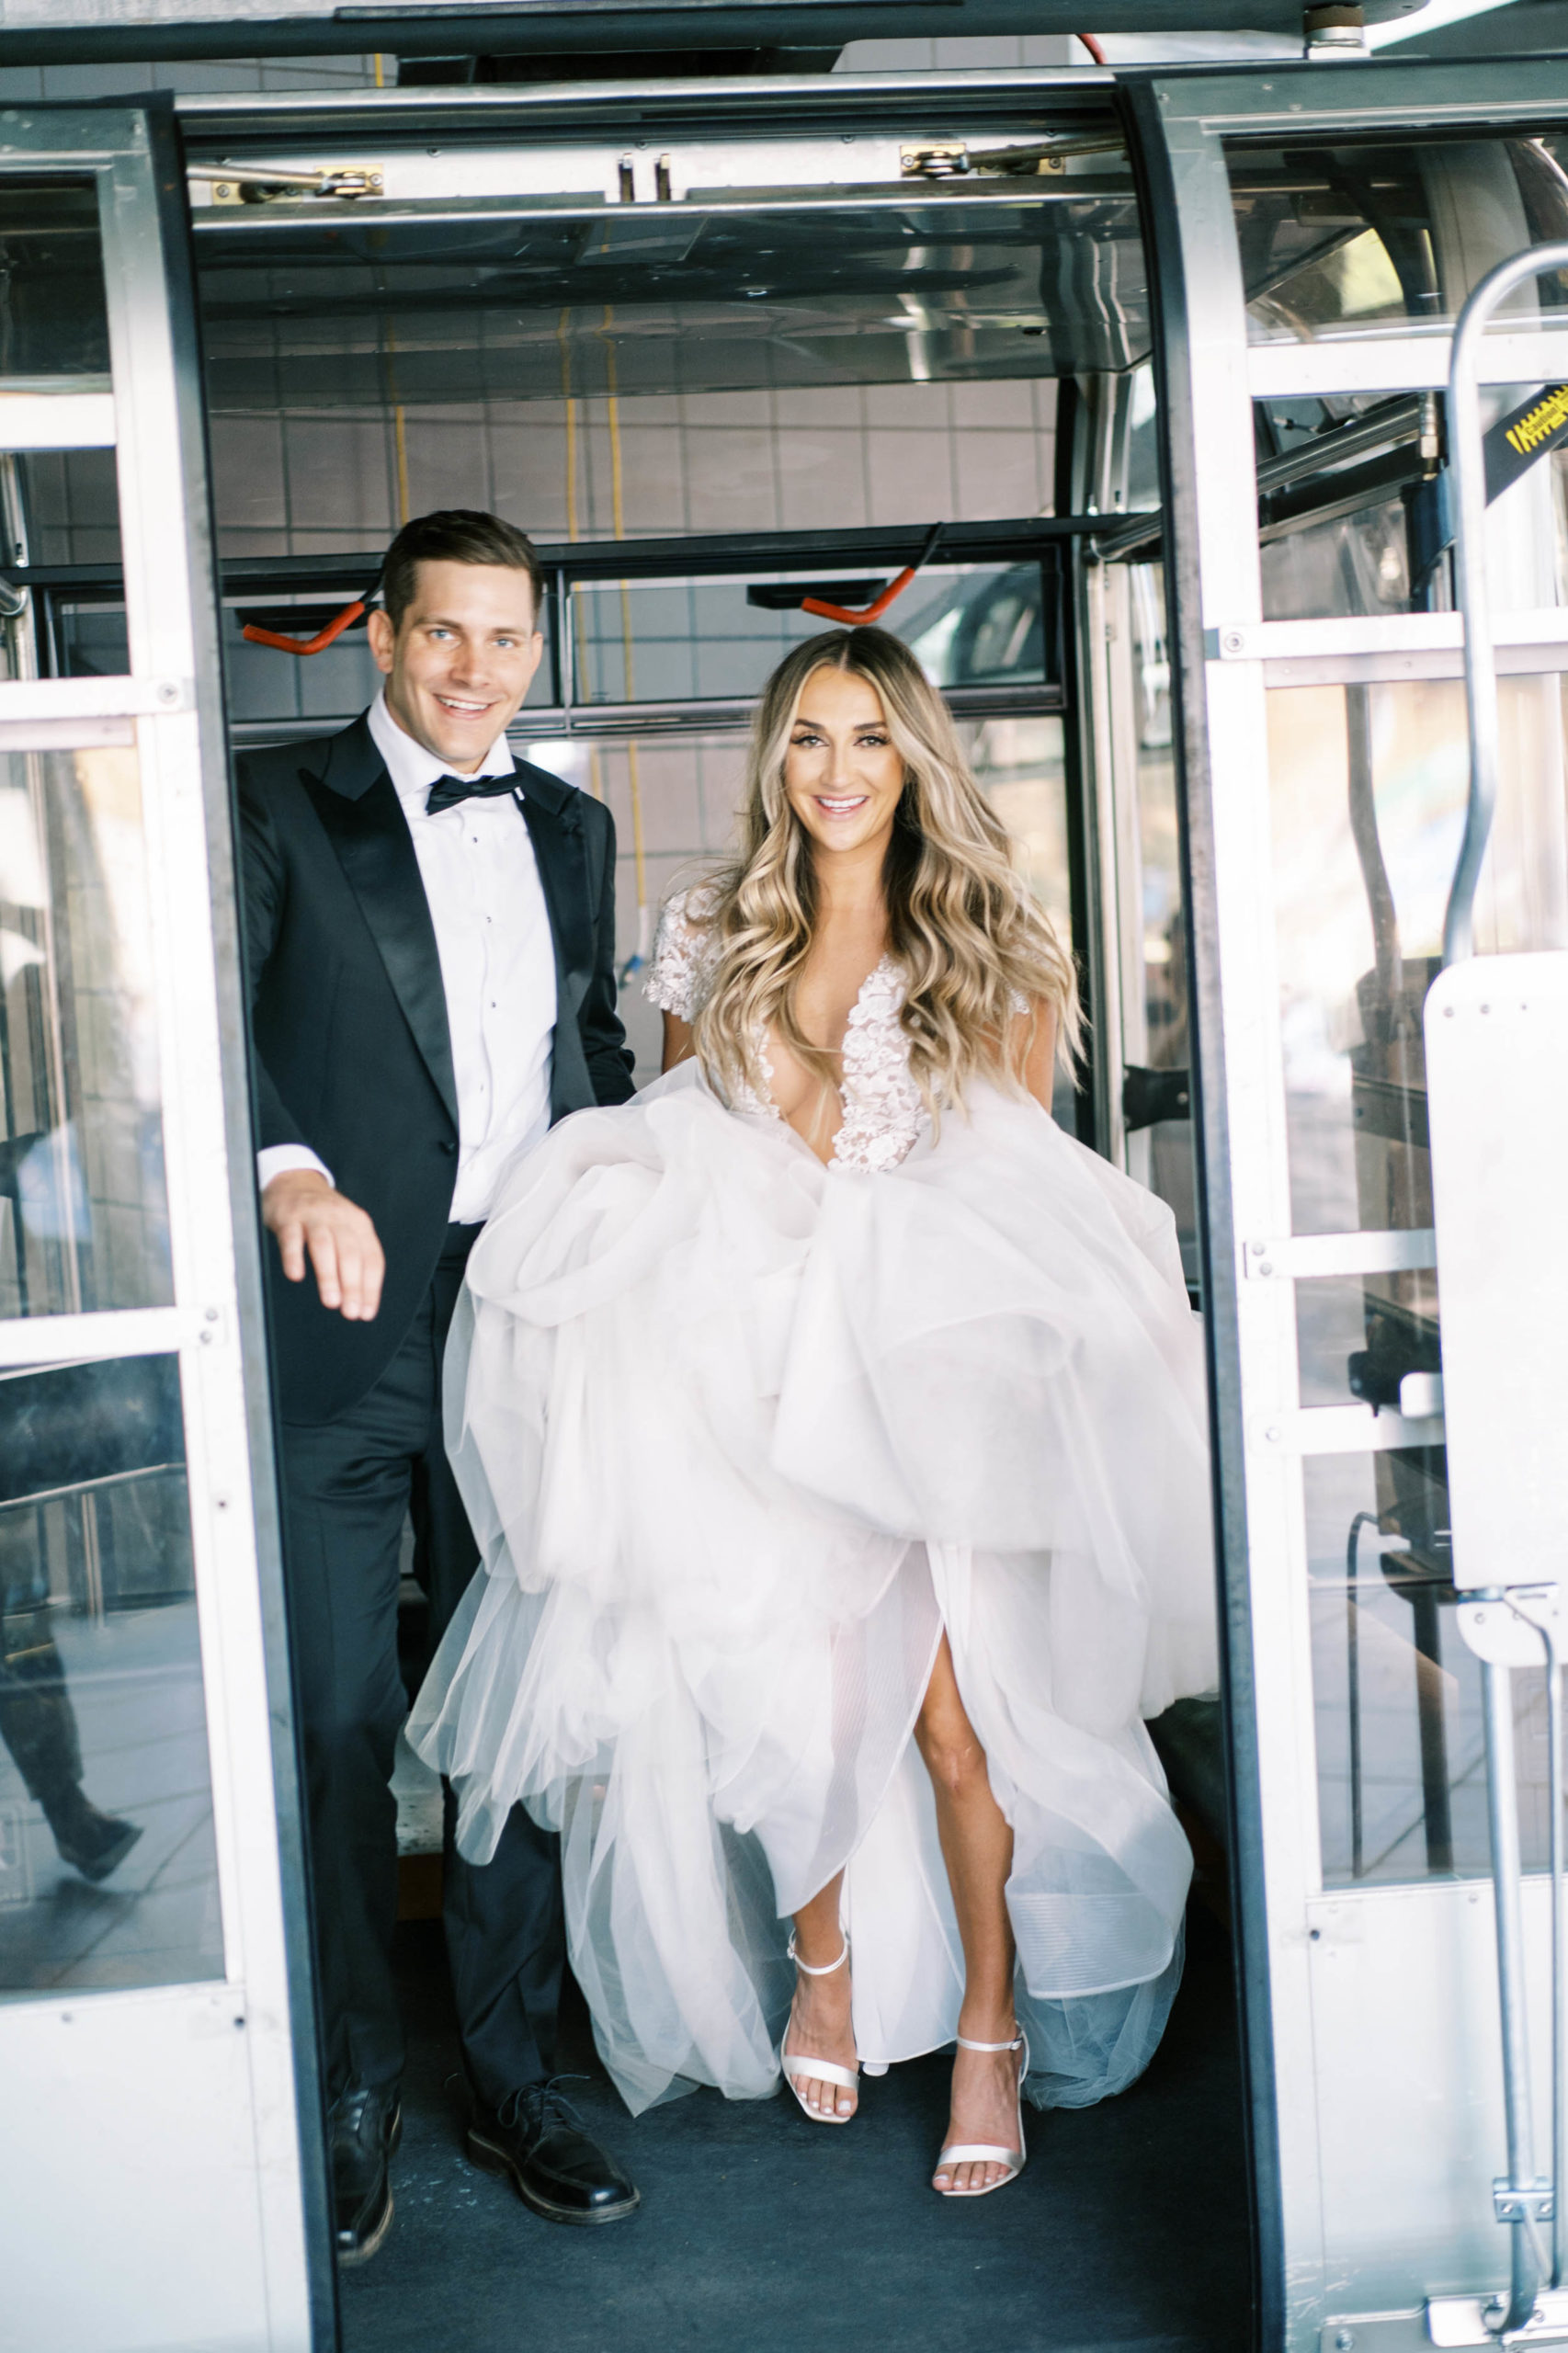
(430, 933)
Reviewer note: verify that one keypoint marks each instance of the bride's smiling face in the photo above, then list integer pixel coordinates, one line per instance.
(842, 775)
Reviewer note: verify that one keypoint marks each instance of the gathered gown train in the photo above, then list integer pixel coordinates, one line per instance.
(740, 1435)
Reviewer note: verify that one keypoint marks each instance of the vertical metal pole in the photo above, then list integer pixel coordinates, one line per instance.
(1503, 1815)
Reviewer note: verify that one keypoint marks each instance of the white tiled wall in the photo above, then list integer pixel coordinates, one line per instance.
(841, 456)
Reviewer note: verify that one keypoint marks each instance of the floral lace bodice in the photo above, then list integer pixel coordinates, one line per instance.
(884, 1115)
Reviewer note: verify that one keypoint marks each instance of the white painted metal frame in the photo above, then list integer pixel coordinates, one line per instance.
(1384, 2008)
(165, 2123)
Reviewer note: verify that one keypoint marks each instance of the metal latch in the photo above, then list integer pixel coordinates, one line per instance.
(267, 183)
(1532, 2203)
(944, 160)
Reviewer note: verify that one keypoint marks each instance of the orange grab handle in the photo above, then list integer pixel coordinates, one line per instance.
(873, 612)
(317, 645)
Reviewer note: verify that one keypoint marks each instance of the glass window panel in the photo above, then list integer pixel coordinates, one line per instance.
(68, 505)
(1155, 1039)
(1391, 554)
(636, 305)
(1357, 1337)
(264, 683)
(1401, 1778)
(53, 321)
(701, 640)
(84, 1213)
(1367, 793)
(108, 1865)
(1359, 239)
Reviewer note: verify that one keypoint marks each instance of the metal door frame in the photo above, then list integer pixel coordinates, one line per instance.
(75, 2061)
(1224, 657)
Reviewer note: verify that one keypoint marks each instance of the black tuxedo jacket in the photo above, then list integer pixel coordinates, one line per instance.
(351, 1054)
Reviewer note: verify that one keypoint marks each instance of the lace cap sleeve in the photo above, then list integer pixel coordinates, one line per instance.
(677, 973)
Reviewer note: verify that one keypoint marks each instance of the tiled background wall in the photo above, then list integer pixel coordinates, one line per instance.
(840, 456)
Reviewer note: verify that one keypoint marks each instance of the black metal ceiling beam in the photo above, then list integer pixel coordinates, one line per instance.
(683, 559)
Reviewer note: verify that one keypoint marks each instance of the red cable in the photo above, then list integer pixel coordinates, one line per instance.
(872, 612)
(1092, 45)
(317, 645)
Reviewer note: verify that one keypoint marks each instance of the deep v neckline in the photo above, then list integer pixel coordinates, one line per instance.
(884, 963)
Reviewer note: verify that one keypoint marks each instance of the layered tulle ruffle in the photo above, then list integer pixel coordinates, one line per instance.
(740, 1437)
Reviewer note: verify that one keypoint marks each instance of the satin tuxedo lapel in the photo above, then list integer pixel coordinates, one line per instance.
(358, 805)
(555, 828)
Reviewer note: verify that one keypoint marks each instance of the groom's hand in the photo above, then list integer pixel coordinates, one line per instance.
(310, 1220)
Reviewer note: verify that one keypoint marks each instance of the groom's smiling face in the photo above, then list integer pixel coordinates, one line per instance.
(461, 659)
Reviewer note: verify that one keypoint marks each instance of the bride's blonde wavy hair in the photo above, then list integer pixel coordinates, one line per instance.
(962, 924)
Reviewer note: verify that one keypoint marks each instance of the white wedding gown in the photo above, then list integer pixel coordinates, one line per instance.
(740, 1435)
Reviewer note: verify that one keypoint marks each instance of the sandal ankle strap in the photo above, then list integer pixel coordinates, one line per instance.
(965, 2044)
(809, 1970)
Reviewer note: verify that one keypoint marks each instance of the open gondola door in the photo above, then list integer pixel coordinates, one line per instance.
(156, 2040)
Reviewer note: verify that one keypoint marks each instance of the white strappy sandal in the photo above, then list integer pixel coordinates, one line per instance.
(818, 2070)
(959, 2153)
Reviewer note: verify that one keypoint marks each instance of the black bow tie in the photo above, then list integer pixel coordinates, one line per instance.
(448, 791)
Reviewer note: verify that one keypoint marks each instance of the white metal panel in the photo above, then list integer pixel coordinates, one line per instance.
(1417, 362)
(1405, 2006)
(1496, 1052)
(150, 2091)
(56, 421)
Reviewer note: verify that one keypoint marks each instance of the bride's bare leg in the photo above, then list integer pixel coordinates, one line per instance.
(819, 2019)
(977, 1846)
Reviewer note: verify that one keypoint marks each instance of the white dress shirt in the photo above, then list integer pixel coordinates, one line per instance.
(493, 936)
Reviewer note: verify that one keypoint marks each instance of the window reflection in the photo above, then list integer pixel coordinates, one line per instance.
(83, 1218)
(680, 641)
(1358, 238)
(1402, 1769)
(108, 1868)
(1368, 789)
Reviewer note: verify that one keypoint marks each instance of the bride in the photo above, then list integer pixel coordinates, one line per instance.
(832, 1428)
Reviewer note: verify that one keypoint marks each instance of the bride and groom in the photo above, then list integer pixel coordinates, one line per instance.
(827, 1426)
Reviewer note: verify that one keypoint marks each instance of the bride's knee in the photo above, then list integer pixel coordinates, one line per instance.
(954, 1757)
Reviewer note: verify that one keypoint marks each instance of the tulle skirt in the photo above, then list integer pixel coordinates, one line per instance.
(741, 1437)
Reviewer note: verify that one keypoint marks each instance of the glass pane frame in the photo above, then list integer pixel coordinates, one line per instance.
(1348, 2225)
(257, 2128)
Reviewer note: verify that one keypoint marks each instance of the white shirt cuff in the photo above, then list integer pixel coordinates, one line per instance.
(280, 1157)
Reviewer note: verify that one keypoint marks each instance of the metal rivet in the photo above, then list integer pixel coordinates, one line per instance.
(1345, 2342)
(1265, 1266)
(1272, 1433)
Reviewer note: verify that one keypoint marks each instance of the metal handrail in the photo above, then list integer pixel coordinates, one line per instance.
(1468, 460)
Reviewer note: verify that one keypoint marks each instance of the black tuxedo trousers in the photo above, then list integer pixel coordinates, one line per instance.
(347, 1486)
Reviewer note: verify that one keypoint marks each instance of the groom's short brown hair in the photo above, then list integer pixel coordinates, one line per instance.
(454, 535)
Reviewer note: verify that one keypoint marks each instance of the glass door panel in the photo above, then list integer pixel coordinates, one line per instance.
(146, 1760)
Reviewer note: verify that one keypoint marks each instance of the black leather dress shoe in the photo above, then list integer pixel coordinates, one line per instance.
(537, 2137)
(365, 2127)
(93, 1843)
